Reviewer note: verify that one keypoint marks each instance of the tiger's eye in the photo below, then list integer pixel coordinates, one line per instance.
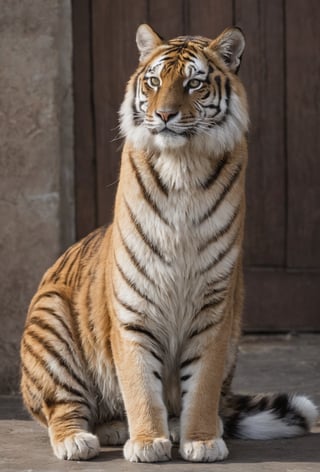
(154, 81)
(194, 84)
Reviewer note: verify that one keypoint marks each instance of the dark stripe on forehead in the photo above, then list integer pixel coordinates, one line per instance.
(185, 41)
(176, 53)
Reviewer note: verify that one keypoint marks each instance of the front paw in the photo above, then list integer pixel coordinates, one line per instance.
(77, 447)
(204, 451)
(153, 450)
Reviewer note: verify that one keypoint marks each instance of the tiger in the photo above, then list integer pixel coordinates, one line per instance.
(132, 336)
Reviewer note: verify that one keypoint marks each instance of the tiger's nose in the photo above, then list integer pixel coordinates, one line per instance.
(166, 115)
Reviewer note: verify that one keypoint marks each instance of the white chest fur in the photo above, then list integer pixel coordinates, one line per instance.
(178, 239)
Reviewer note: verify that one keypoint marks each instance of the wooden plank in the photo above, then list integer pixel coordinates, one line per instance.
(166, 17)
(115, 57)
(263, 74)
(85, 185)
(210, 17)
(303, 118)
(278, 300)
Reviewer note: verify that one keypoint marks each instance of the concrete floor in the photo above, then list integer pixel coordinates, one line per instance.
(277, 363)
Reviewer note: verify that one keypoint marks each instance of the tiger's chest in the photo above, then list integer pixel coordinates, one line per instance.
(178, 241)
(196, 254)
(181, 256)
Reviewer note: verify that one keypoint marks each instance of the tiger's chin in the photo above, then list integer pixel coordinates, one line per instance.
(169, 140)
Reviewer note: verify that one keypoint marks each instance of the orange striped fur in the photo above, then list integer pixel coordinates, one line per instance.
(139, 322)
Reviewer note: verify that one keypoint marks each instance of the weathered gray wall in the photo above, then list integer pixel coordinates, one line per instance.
(36, 158)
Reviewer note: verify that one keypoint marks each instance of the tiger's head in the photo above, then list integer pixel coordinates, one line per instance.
(186, 92)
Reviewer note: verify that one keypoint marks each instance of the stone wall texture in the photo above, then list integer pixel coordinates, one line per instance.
(36, 159)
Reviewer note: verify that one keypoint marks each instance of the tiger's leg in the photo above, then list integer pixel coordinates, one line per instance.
(201, 427)
(68, 427)
(54, 385)
(141, 386)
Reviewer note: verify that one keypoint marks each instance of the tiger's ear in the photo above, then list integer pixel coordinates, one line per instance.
(230, 46)
(147, 41)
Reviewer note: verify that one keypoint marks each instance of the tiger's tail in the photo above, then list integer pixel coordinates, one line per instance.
(268, 416)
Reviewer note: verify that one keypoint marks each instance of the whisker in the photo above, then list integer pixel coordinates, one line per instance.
(112, 183)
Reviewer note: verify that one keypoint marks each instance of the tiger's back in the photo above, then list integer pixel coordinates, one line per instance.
(143, 319)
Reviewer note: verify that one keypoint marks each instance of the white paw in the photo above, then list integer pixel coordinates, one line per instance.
(204, 451)
(155, 450)
(79, 446)
(114, 433)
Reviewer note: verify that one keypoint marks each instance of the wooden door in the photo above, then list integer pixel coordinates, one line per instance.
(281, 70)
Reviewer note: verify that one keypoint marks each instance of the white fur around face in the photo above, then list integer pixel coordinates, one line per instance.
(217, 140)
(232, 117)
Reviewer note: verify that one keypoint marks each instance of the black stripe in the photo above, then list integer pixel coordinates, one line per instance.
(228, 93)
(65, 259)
(221, 232)
(214, 291)
(158, 376)
(223, 194)
(61, 361)
(188, 362)
(161, 186)
(127, 306)
(146, 193)
(54, 402)
(134, 287)
(32, 402)
(217, 80)
(217, 171)
(136, 120)
(134, 259)
(35, 320)
(183, 393)
(89, 320)
(98, 234)
(51, 312)
(205, 96)
(46, 367)
(217, 107)
(140, 329)
(188, 55)
(89, 242)
(32, 378)
(220, 278)
(72, 416)
(183, 378)
(49, 294)
(211, 106)
(86, 242)
(151, 351)
(156, 356)
(69, 270)
(209, 305)
(143, 235)
(220, 256)
(196, 332)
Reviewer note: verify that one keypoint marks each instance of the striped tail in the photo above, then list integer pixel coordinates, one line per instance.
(269, 416)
